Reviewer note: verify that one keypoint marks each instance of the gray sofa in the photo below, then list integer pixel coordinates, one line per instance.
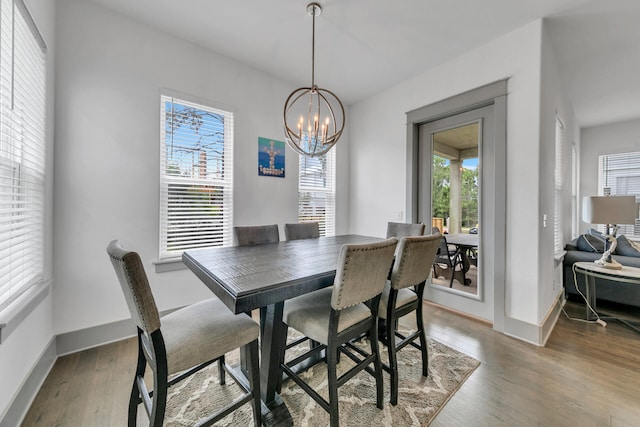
(606, 290)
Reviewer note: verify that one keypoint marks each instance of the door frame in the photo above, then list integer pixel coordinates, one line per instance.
(493, 94)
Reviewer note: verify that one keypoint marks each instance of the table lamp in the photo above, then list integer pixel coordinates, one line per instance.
(611, 211)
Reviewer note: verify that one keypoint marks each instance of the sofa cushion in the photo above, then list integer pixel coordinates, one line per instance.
(627, 248)
(590, 243)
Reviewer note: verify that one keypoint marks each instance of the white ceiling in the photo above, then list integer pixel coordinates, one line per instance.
(363, 47)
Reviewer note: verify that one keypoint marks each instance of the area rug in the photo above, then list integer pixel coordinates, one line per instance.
(419, 398)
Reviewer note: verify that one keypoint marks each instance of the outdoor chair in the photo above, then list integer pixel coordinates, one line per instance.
(451, 258)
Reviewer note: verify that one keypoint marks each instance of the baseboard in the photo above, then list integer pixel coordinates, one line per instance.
(60, 345)
(27, 393)
(535, 334)
(71, 342)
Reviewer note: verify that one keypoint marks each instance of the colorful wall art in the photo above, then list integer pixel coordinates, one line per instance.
(270, 157)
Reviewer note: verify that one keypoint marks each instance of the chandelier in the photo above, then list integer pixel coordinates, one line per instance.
(313, 117)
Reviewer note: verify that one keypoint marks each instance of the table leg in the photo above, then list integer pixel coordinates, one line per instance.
(274, 341)
(590, 282)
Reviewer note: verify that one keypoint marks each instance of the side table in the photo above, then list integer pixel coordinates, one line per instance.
(591, 271)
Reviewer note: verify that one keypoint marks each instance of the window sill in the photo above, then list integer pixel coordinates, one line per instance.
(558, 257)
(171, 264)
(17, 311)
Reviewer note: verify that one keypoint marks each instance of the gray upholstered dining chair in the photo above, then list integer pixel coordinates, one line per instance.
(302, 230)
(336, 315)
(402, 295)
(256, 234)
(400, 229)
(182, 343)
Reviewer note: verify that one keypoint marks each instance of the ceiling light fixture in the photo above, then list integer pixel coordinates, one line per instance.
(313, 117)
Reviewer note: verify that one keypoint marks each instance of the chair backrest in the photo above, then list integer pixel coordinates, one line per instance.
(400, 229)
(302, 230)
(257, 234)
(443, 248)
(415, 257)
(362, 272)
(135, 287)
(435, 230)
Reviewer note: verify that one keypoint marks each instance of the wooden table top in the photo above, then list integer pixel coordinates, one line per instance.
(249, 277)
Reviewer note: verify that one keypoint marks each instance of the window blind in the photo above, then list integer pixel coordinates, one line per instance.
(22, 151)
(317, 191)
(574, 190)
(557, 223)
(619, 174)
(196, 177)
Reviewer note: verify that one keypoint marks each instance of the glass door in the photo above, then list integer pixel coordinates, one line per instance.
(451, 162)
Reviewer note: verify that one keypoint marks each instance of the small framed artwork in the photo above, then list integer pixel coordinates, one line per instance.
(270, 157)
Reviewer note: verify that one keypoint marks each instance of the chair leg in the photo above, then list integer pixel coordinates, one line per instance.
(159, 400)
(254, 382)
(221, 372)
(393, 361)
(377, 363)
(423, 341)
(134, 399)
(332, 384)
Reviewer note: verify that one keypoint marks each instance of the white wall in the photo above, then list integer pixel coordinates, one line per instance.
(612, 138)
(110, 72)
(554, 101)
(24, 347)
(378, 151)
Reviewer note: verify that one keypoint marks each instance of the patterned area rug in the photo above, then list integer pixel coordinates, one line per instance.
(419, 398)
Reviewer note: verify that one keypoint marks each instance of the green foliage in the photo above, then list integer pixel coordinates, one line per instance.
(441, 188)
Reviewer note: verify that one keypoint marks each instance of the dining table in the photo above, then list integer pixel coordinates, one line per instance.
(263, 277)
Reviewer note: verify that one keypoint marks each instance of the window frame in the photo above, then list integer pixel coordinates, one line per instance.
(223, 183)
(611, 168)
(23, 147)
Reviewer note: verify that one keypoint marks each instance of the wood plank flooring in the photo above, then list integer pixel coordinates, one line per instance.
(585, 376)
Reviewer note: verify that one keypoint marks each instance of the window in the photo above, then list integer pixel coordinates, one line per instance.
(196, 177)
(557, 223)
(22, 151)
(619, 174)
(317, 191)
(574, 190)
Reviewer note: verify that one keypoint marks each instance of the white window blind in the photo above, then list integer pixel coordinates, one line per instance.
(557, 223)
(196, 177)
(574, 190)
(22, 151)
(619, 174)
(317, 191)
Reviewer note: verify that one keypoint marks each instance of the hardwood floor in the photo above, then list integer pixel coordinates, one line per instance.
(586, 375)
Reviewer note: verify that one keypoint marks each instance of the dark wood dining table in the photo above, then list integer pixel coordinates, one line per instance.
(265, 276)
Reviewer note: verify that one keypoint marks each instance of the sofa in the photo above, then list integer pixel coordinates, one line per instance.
(589, 247)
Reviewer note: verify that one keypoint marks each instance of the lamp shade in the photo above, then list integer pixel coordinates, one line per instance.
(609, 209)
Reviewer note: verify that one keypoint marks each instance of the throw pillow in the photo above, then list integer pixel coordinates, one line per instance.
(626, 247)
(590, 243)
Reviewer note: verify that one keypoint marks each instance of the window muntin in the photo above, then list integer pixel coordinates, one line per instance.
(196, 177)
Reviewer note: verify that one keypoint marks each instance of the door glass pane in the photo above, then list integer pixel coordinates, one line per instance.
(455, 206)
